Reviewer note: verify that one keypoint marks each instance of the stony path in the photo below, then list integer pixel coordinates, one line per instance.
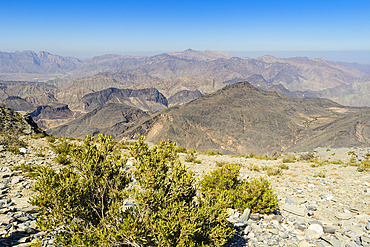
(314, 211)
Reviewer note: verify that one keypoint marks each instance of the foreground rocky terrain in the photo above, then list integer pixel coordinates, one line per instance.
(327, 205)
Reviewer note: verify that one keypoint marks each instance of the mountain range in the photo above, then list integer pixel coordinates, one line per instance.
(240, 118)
(190, 98)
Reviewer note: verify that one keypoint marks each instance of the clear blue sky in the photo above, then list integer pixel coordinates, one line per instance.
(282, 28)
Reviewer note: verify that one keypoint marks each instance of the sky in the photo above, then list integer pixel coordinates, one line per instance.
(335, 30)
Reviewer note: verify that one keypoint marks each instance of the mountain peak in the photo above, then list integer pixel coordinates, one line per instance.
(201, 55)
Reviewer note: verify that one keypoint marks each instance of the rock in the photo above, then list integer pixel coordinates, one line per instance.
(365, 239)
(289, 201)
(256, 228)
(312, 234)
(274, 231)
(328, 229)
(247, 230)
(311, 207)
(255, 216)
(364, 218)
(283, 235)
(294, 209)
(328, 197)
(15, 180)
(245, 216)
(279, 218)
(316, 227)
(311, 222)
(29, 209)
(343, 216)
(367, 227)
(304, 244)
(6, 219)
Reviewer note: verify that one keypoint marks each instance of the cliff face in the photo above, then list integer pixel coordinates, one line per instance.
(149, 99)
(20, 122)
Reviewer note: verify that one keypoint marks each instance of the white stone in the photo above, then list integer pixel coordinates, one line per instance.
(316, 227)
(294, 209)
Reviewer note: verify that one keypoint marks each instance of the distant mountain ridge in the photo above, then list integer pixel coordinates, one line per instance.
(30, 62)
(297, 73)
(240, 118)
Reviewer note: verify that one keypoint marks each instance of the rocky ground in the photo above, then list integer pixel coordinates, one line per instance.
(319, 206)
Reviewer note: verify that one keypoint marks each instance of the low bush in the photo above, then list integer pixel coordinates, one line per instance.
(221, 163)
(191, 157)
(50, 138)
(362, 165)
(307, 156)
(272, 171)
(76, 201)
(289, 159)
(179, 149)
(29, 170)
(38, 136)
(211, 152)
(39, 154)
(253, 167)
(86, 202)
(320, 175)
(284, 166)
(265, 157)
(256, 194)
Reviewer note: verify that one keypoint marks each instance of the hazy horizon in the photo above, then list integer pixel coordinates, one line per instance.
(83, 29)
(361, 57)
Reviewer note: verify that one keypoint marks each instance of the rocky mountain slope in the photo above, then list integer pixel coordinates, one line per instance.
(241, 118)
(149, 99)
(106, 118)
(13, 122)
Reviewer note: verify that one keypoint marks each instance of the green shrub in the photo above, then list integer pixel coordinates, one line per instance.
(320, 174)
(62, 159)
(289, 159)
(221, 163)
(39, 154)
(38, 136)
(85, 203)
(272, 171)
(16, 145)
(29, 170)
(211, 152)
(166, 202)
(76, 202)
(50, 139)
(62, 148)
(284, 166)
(362, 165)
(253, 167)
(307, 156)
(191, 157)
(256, 194)
(265, 157)
(179, 149)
